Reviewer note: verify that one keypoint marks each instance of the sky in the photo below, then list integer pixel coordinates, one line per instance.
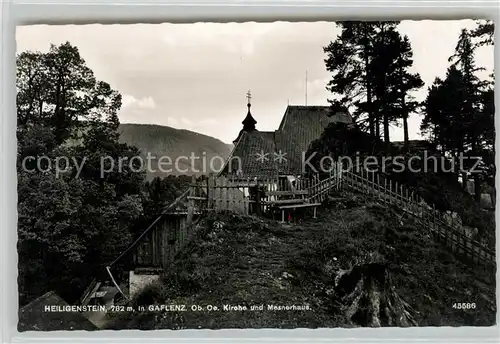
(196, 76)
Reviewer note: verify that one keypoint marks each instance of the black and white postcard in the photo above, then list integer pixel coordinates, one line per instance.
(256, 175)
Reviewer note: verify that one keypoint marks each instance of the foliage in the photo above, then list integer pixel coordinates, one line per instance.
(70, 223)
(159, 193)
(341, 140)
(369, 62)
(459, 112)
(484, 31)
(430, 175)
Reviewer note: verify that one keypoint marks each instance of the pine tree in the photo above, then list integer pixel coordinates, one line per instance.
(459, 110)
(442, 113)
(484, 31)
(464, 59)
(350, 60)
(392, 82)
(402, 83)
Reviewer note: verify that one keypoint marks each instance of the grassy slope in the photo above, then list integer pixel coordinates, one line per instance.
(171, 142)
(252, 261)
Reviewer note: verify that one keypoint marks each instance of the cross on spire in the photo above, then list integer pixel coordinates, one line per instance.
(249, 122)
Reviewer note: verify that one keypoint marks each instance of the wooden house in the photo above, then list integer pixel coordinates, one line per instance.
(280, 153)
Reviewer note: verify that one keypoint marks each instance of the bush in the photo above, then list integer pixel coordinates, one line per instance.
(154, 293)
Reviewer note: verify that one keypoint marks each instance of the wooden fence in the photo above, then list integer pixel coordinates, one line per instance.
(319, 189)
(258, 196)
(172, 230)
(447, 230)
(228, 194)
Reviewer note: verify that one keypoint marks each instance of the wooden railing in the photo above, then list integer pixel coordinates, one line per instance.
(158, 244)
(257, 196)
(449, 233)
(252, 196)
(320, 188)
(225, 193)
(237, 195)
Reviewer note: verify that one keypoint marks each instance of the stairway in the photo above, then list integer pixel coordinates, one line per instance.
(399, 196)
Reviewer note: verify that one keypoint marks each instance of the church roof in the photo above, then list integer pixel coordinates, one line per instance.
(249, 121)
(299, 126)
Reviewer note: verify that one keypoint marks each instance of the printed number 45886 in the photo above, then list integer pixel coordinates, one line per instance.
(464, 305)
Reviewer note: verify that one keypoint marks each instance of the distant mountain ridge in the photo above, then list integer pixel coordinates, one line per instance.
(183, 151)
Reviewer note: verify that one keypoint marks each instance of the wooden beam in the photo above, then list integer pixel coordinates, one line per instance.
(285, 201)
(295, 206)
(286, 193)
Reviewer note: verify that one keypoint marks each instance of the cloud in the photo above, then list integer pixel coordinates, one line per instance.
(186, 123)
(172, 122)
(180, 123)
(131, 102)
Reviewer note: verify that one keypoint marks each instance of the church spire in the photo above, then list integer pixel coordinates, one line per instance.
(249, 97)
(249, 122)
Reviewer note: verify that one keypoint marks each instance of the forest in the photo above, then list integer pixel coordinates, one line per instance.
(70, 228)
(371, 67)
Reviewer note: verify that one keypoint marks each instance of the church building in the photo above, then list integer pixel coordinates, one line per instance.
(264, 154)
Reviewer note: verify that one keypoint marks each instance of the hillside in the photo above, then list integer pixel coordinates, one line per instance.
(170, 142)
(359, 263)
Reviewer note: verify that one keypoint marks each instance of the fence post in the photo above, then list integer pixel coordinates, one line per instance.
(390, 191)
(362, 179)
(385, 190)
(312, 186)
(210, 193)
(189, 218)
(227, 195)
(318, 188)
(434, 216)
(257, 197)
(217, 194)
(369, 182)
(336, 176)
(396, 192)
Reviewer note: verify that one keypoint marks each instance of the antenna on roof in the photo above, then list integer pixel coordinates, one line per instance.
(306, 87)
